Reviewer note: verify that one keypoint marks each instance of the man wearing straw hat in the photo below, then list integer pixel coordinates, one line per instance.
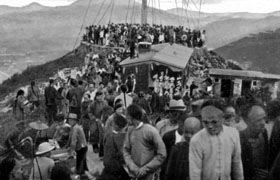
(78, 144)
(176, 109)
(42, 163)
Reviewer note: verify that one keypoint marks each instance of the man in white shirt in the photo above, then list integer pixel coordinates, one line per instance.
(126, 99)
(91, 91)
(215, 151)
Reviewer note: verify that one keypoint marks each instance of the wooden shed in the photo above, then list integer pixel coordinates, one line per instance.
(228, 82)
(170, 59)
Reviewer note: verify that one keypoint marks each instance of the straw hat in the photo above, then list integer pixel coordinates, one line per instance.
(177, 105)
(38, 125)
(44, 147)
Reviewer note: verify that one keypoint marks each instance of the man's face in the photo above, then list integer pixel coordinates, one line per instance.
(230, 116)
(120, 110)
(174, 116)
(91, 87)
(129, 119)
(212, 119)
(71, 122)
(257, 118)
(99, 97)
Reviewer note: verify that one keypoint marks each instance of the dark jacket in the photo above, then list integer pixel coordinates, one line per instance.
(169, 140)
(274, 143)
(75, 96)
(178, 163)
(275, 170)
(247, 154)
(51, 96)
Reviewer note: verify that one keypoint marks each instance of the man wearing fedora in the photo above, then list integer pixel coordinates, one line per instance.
(43, 164)
(176, 109)
(78, 144)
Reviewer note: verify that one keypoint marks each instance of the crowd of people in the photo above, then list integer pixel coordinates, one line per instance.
(129, 35)
(188, 139)
(145, 135)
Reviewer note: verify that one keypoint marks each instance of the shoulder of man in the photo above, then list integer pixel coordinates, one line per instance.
(161, 123)
(199, 136)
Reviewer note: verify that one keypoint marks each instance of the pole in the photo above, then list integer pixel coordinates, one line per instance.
(144, 12)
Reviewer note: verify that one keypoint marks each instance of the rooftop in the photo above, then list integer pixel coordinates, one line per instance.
(243, 74)
(175, 56)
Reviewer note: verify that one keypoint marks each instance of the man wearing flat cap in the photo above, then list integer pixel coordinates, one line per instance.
(78, 144)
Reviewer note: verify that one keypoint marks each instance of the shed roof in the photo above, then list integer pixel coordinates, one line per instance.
(243, 74)
(174, 56)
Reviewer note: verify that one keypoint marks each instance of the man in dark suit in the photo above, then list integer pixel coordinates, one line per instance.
(51, 97)
(254, 145)
(178, 163)
(170, 139)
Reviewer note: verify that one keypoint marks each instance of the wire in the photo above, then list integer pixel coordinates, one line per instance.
(105, 12)
(190, 15)
(159, 12)
(101, 7)
(199, 13)
(113, 4)
(127, 11)
(184, 4)
(177, 12)
(152, 11)
(86, 13)
(132, 11)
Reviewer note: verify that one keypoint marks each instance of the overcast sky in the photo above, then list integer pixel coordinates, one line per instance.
(255, 6)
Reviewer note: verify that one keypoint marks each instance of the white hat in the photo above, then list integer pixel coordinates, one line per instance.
(44, 148)
(177, 105)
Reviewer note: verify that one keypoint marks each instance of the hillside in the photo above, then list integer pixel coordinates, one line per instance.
(44, 35)
(42, 72)
(223, 32)
(35, 34)
(257, 52)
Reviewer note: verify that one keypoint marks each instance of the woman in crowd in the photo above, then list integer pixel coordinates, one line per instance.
(33, 95)
(19, 105)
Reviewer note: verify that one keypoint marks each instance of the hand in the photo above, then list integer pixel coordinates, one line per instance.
(134, 170)
(142, 172)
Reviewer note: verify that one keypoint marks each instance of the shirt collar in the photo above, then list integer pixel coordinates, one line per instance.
(140, 125)
(115, 132)
(178, 137)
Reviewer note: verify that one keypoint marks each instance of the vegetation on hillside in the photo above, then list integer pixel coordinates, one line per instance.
(257, 52)
(42, 72)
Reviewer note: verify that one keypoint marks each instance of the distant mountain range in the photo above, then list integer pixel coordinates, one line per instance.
(45, 33)
(29, 8)
(256, 52)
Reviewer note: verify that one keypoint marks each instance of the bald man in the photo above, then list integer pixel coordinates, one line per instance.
(254, 144)
(178, 163)
(215, 152)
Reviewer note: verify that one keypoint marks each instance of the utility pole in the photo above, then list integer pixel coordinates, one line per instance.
(144, 12)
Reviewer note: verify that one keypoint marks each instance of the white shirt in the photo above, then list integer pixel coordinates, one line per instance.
(178, 137)
(126, 99)
(216, 157)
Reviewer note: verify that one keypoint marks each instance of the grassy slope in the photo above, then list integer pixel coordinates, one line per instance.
(259, 51)
(42, 72)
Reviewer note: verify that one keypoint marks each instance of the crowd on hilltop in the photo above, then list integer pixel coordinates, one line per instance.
(116, 35)
(145, 135)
